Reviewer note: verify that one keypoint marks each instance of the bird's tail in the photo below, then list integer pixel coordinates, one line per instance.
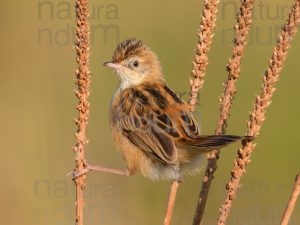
(210, 142)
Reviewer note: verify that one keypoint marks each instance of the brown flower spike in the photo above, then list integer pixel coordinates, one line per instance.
(82, 93)
(257, 116)
(244, 19)
(205, 34)
(200, 62)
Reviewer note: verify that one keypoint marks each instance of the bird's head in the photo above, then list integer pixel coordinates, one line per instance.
(135, 63)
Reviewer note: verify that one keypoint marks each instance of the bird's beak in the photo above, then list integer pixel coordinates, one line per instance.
(113, 65)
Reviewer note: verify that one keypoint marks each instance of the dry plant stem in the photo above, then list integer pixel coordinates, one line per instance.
(292, 202)
(211, 167)
(171, 202)
(82, 93)
(244, 19)
(257, 116)
(200, 62)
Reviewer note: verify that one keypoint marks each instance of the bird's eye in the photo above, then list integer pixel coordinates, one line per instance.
(136, 63)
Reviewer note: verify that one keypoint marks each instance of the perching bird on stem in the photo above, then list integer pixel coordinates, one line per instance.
(151, 126)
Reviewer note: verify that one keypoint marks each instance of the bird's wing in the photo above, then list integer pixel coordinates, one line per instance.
(154, 119)
(150, 131)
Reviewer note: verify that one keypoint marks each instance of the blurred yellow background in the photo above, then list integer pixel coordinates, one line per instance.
(38, 106)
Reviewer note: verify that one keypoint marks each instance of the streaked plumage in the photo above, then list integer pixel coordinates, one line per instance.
(151, 125)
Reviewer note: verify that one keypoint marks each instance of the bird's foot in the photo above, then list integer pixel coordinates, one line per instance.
(180, 180)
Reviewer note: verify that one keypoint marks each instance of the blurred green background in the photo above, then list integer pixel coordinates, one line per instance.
(38, 106)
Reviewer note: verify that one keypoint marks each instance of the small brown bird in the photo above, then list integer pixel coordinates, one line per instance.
(152, 127)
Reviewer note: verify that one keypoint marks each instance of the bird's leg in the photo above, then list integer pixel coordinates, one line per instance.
(92, 167)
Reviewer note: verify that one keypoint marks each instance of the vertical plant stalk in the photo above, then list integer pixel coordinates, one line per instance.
(257, 116)
(292, 202)
(200, 62)
(171, 202)
(244, 20)
(242, 28)
(82, 93)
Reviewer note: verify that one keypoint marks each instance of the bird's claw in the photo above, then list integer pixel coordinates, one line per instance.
(78, 173)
